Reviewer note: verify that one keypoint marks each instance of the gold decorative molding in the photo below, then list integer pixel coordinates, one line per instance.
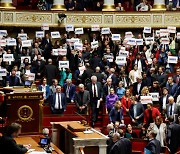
(86, 19)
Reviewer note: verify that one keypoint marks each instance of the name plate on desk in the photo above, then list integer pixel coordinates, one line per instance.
(27, 95)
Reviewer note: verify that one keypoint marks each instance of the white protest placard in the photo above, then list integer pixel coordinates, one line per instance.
(139, 41)
(95, 28)
(69, 28)
(131, 41)
(94, 44)
(62, 52)
(164, 32)
(11, 42)
(148, 40)
(23, 57)
(172, 59)
(165, 40)
(128, 34)
(157, 32)
(120, 60)
(8, 57)
(110, 58)
(155, 96)
(105, 31)
(82, 69)
(55, 52)
(3, 33)
(63, 64)
(79, 31)
(171, 29)
(55, 34)
(3, 72)
(78, 46)
(178, 35)
(147, 30)
(146, 99)
(44, 27)
(149, 61)
(22, 36)
(123, 48)
(31, 76)
(2, 43)
(26, 43)
(40, 34)
(72, 41)
(123, 53)
(116, 37)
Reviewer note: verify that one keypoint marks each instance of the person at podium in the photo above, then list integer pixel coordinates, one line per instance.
(58, 102)
(13, 79)
(7, 143)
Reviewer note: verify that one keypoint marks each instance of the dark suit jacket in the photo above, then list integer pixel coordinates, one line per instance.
(176, 109)
(63, 101)
(105, 90)
(126, 78)
(154, 146)
(122, 146)
(135, 92)
(139, 112)
(174, 79)
(173, 90)
(99, 89)
(114, 80)
(99, 76)
(143, 64)
(11, 83)
(85, 100)
(47, 90)
(162, 79)
(114, 114)
(161, 101)
(8, 146)
(72, 91)
(147, 81)
(51, 73)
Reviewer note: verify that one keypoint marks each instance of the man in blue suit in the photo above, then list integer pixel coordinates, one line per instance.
(69, 90)
(13, 79)
(171, 86)
(58, 102)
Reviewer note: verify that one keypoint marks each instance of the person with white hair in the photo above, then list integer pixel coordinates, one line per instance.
(82, 99)
(96, 96)
(112, 76)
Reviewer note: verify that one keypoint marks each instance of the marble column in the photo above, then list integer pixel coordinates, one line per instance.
(159, 5)
(103, 149)
(6, 4)
(58, 5)
(108, 5)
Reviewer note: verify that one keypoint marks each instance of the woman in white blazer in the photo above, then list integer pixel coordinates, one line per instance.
(160, 128)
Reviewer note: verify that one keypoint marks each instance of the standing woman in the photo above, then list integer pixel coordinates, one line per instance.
(120, 90)
(126, 101)
(110, 100)
(45, 89)
(160, 128)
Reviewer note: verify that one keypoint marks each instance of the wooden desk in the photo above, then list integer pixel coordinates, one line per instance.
(70, 141)
(33, 140)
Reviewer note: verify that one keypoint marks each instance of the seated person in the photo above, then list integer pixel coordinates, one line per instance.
(25, 81)
(82, 99)
(12, 80)
(129, 132)
(119, 7)
(7, 143)
(70, 5)
(142, 6)
(58, 102)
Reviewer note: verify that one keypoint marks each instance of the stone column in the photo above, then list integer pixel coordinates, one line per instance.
(58, 5)
(108, 5)
(159, 5)
(6, 4)
(102, 149)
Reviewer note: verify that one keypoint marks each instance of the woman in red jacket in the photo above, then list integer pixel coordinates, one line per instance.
(126, 101)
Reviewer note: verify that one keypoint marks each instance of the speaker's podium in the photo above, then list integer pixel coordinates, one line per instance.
(25, 108)
(72, 138)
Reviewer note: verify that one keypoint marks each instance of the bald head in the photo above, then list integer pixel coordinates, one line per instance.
(97, 69)
(49, 61)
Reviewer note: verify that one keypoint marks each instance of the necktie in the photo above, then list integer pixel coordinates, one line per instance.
(67, 91)
(94, 90)
(177, 79)
(171, 110)
(58, 101)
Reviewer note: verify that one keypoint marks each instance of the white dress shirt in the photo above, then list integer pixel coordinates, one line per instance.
(93, 90)
(58, 103)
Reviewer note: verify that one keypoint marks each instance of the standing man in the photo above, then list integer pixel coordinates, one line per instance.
(58, 103)
(154, 145)
(107, 86)
(96, 95)
(7, 143)
(162, 77)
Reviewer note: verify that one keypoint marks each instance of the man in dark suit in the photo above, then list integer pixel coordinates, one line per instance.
(172, 87)
(176, 77)
(106, 88)
(82, 99)
(99, 75)
(69, 90)
(138, 86)
(125, 79)
(7, 143)
(162, 77)
(146, 80)
(136, 111)
(58, 102)
(96, 95)
(173, 135)
(50, 71)
(87, 73)
(122, 146)
(47, 46)
(139, 62)
(154, 145)
(13, 79)
(113, 76)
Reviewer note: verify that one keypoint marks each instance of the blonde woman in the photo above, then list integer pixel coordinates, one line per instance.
(145, 91)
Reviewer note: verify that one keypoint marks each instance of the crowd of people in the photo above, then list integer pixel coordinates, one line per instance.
(97, 5)
(94, 78)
